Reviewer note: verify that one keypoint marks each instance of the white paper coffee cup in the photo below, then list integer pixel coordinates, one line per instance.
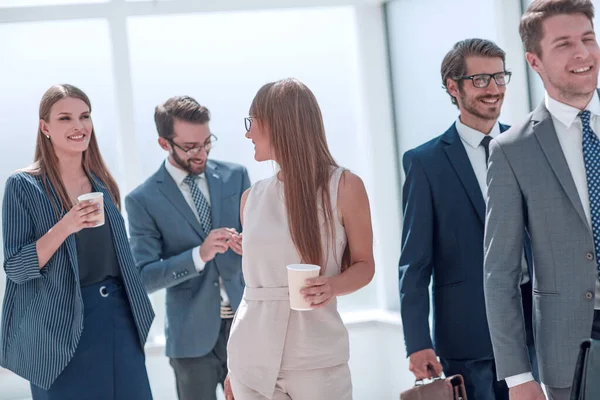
(297, 276)
(97, 198)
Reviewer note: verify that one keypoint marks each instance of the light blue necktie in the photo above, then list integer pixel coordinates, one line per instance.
(201, 204)
(591, 158)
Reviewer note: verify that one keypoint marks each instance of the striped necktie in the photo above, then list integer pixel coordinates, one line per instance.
(201, 204)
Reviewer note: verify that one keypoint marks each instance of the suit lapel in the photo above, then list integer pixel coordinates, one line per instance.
(70, 241)
(543, 129)
(460, 162)
(215, 188)
(170, 190)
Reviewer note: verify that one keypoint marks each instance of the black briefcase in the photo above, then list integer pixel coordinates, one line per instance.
(586, 381)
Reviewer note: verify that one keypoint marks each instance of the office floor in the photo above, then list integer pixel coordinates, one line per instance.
(377, 361)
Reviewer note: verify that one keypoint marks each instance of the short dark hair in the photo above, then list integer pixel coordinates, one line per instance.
(454, 65)
(530, 27)
(183, 108)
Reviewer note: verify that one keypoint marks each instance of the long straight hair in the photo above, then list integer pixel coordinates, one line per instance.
(291, 116)
(45, 160)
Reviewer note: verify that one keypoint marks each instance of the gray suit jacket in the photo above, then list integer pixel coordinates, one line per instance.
(530, 186)
(164, 232)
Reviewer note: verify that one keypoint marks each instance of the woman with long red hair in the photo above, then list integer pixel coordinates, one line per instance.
(314, 212)
(76, 315)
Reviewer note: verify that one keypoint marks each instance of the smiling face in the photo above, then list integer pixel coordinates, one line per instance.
(190, 146)
(479, 103)
(569, 57)
(68, 126)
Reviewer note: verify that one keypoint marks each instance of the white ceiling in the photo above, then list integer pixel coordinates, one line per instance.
(60, 11)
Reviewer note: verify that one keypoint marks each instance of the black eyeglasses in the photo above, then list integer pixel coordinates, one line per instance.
(192, 151)
(248, 123)
(483, 80)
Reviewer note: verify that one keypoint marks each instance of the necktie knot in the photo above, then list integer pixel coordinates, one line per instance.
(585, 117)
(190, 179)
(485, 142)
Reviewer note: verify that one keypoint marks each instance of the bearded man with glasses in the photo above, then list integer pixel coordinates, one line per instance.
(442, 238)
(184, 223)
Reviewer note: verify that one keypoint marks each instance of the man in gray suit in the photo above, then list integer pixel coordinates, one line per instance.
(181, 221)
(544, 175)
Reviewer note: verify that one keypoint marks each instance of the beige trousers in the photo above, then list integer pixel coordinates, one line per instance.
(314, 384)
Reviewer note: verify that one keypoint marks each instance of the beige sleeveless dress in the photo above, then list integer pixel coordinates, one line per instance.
(267, 337)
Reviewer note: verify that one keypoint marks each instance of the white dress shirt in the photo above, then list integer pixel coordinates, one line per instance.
(178, 176)
(569, 130)
(471, 140)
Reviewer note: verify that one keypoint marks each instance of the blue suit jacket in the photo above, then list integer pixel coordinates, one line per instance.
(164, 231)
(42, 316)
(444, 214)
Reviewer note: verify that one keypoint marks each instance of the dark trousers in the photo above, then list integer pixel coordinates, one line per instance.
(197, 378)
(480, 378)
(109, 362)
(596, 325)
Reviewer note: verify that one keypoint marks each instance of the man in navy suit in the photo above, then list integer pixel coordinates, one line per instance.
(181, 221)
(444, 208)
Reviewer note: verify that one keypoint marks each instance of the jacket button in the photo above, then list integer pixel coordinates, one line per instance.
(216, 284)
(589, 295)
(589, 256)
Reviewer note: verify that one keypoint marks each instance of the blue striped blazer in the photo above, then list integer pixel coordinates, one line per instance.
(42, 316)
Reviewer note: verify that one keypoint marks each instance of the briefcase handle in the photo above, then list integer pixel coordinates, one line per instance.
(421, 382)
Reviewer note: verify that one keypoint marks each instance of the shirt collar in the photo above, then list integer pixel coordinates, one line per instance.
(472, 136)
(567, 114)
(177, 174)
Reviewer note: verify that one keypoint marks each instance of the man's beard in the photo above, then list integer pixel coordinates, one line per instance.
(187, 165)
(470, 105)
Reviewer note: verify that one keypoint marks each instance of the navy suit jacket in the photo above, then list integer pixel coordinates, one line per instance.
(42, 316)
(444, 215)
(164, 231)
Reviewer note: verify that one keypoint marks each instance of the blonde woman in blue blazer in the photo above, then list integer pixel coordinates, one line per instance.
(76, 315)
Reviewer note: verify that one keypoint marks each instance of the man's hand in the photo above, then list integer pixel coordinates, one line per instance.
(527, 391)
(215, 243)
(424, 364)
